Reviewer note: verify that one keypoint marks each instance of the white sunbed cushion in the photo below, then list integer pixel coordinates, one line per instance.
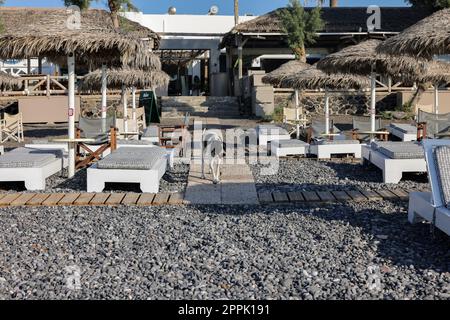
(291, 143)
(404, 127)
(55, 152)
(402, 151)
(129, 158)
(25, 160)
(442, 159)
(333, 142)
(378, 144)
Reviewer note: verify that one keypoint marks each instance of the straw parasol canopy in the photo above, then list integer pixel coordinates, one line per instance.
(52, 33)
(125, 76)
(8, 81)
(363, 59)
(428, 37)
(315, 79)
(438, 72)
(278, 75)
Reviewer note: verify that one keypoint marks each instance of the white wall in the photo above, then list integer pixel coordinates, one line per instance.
(186, 24)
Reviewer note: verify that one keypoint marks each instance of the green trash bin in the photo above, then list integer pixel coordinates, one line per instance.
(149, 101)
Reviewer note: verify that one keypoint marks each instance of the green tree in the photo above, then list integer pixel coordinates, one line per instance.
(430, 4)
(301, 27)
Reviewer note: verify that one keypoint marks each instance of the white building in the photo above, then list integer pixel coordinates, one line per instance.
(190, 43)
(17, 67)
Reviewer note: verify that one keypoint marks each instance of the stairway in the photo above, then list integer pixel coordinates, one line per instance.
(215, 107)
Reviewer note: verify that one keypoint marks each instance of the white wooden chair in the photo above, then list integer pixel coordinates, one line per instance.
(434, 207)
(11, 128)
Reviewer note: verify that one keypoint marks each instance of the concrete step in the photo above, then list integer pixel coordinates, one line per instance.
(175, 107)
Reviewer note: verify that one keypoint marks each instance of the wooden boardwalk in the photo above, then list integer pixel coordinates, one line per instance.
(90, 199)
(149, 199)
(332, 196)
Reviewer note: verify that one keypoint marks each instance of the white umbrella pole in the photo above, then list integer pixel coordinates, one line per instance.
(104, 88)
(297, 113)
(436, 98)
(125, 109)
(373, 102)
(327, 113)
(71, 113)
(133, 93)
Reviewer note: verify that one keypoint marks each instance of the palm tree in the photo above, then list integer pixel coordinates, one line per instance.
(236, 12)
(301, 27)
(115, 6)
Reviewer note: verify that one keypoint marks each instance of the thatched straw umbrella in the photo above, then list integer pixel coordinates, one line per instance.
(8, 81)
(88, 36)
(315, 79)
(122, 78)
(426, 38)
(363, 59)
(437, 73)
(278, 75)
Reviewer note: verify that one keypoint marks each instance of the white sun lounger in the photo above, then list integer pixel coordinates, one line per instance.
(292, 147)
(395, 158)
(145, 166)
(323, 149)
(405, 132)
(270, 132)
(146, 144)
(434, 207)
(30, 166)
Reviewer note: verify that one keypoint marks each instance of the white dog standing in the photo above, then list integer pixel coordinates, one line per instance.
(213, 151)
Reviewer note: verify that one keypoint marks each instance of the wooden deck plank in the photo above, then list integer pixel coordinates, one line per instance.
(53, 199)
(130, 199)
(146, 199)
(161, 198)
(99, 199)
(311, 196)
(38, 199)
(115, 199)
(326, 196)
(402, 194)
(265, 197)
(280, 197)
(6, 200)
(341, 195)
(357, 196)
(176, 198)
(371, 195)
(387, 195)
(296, 196)
(2, 195)
(22, 199)
(68, 199)
(84, 199)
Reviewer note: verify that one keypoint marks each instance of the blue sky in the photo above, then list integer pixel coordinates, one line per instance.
(201, 6)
